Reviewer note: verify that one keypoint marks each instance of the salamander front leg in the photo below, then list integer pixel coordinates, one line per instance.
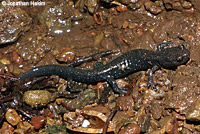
(151, 72)
(98, 64)
(114, 85)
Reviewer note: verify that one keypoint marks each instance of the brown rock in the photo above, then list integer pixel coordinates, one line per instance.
(195, 53)
(193, 113)
(23, 127)
(125, 103)
(172, 126)
(38, 121)
(6, 128)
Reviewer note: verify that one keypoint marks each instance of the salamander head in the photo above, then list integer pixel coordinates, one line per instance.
(173, 57)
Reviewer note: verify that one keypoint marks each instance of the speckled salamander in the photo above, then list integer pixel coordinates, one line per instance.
(130, 62)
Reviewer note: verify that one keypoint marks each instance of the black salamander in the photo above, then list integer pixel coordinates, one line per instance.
(130, 62)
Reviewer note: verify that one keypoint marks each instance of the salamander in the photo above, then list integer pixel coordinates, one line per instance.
(130, 62)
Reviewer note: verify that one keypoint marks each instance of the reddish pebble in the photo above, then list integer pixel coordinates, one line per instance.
(16, 58)
(171, 126)
(122, 83)
(98, 17)
(139, 31)
(66, 55)
(113, 10)
(191, 10)
(100, 86)
(62, 132)
(38, 121)
(130, 129)
(121, 8)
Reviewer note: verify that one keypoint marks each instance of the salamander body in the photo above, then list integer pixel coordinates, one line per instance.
(130, 62)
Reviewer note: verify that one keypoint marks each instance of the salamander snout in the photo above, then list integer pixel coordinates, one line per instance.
(185, 55)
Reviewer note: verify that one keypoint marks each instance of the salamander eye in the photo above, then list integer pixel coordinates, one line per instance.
(179, 58)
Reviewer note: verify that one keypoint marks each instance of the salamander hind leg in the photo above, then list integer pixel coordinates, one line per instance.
(114, 85)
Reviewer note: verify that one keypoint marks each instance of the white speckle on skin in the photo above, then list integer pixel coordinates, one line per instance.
(35, 69)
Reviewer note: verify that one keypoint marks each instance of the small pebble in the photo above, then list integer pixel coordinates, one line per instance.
(152, 7)
(125, 103)
(186, 5)
(77, 15)
(23, 127)
(5, 61)
(6, 128)
(50, 121)
(12, 117)
(171, 126)
(121, 8)
(130, 129)
(16, 58)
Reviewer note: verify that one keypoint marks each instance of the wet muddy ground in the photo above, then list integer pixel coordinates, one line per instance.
(66, 30)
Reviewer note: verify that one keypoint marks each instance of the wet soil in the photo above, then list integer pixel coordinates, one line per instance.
(62, 31)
